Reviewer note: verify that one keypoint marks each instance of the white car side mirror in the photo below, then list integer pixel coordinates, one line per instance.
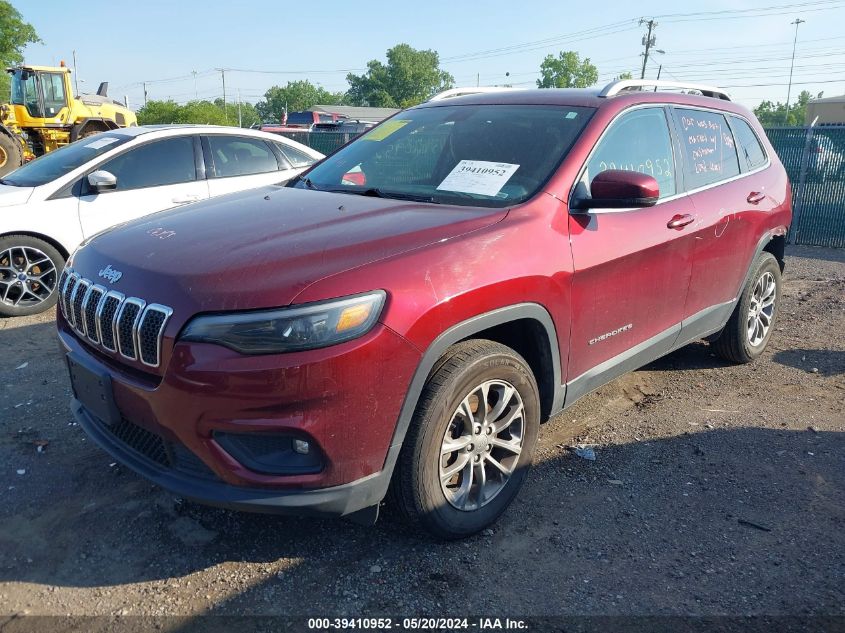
(102, 180)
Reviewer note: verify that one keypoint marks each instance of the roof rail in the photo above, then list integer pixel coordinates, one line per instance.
(460, 92)
(624, 85)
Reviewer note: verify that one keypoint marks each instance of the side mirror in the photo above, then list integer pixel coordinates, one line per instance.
(618, 189)
(102, 180)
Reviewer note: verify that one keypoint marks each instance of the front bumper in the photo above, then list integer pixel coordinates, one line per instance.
(344, 400)
(335, 501)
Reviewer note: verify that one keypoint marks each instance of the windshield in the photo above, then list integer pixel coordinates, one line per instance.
(479, 155)
(63, 160)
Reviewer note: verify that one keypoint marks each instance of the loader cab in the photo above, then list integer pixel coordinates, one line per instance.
(39, 93)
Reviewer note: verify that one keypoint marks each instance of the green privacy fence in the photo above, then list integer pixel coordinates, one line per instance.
(814, 158)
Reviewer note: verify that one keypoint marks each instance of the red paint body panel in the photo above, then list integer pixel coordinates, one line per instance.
(616, 183)
(345, 398)
(594, 273)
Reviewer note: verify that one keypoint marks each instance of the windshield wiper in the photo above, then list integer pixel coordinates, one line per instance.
(375, 192)
(307, 182)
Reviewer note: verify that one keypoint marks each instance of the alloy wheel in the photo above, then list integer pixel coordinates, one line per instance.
(27, 276)
(482, 444)
(761, 309)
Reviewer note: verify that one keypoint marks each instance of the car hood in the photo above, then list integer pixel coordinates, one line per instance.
(261, 248)
(10, 196)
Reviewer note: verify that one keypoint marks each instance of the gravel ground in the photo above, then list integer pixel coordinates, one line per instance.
(716, 489)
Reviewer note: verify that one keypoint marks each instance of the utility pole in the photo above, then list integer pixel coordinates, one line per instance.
(240, 120)
(196, 94)
(145, 93)
(791, 66)
(75, 74)
(648, 41)
(223, 76)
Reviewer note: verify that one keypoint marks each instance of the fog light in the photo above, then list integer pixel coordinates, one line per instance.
(272, 453)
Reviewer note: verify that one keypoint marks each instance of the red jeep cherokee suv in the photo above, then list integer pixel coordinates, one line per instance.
(406, 314)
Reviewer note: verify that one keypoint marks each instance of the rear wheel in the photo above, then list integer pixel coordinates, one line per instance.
(752, 322)
(29, 275)
(11, 154)
(471, 441)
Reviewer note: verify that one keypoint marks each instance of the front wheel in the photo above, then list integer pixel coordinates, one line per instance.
(471, 441)
(751, 325)
(29, 275)
(11, 153)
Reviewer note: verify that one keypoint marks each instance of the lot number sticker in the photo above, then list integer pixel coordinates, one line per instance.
(478, 176)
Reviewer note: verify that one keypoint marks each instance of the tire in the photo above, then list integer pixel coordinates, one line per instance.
(738, 343)
(29, 275)
(454, 509)
(91, 131)
(11, 154)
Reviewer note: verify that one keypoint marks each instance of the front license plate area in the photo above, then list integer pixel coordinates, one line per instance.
(94, 390)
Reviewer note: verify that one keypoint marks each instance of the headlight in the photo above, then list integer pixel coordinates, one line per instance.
(289, 329)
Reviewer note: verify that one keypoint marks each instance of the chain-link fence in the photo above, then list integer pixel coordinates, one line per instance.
(814, 158)
(324, 142)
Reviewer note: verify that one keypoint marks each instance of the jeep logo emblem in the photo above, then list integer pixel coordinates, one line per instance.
(112, 275)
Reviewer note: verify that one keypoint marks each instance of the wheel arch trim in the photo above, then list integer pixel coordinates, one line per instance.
(459, 332)
(44, 238)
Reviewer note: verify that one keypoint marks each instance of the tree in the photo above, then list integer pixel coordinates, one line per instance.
(773, 114)
(248, 116)
(295, 96)
(621, 76)
(201, 112)
(567, 71)
(410, 77)
(15, 34)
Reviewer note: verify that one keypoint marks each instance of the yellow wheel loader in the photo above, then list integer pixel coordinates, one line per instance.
(44, 115)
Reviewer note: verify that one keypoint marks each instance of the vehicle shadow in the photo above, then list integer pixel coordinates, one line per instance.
(696, 355)
(723, 521)
(827, 362)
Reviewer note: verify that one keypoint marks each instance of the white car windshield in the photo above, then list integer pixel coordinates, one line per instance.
(477, 155)
(55, 164)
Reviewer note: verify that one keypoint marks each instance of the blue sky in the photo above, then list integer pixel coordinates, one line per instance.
(163, 42)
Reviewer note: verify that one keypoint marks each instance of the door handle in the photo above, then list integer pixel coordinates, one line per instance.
(679, 221)
(756, 197)
(186, 199)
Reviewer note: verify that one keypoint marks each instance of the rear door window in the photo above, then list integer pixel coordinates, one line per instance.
(241, 156)
(708, 147)
(166, 162)
(748, 144)
(637, 141)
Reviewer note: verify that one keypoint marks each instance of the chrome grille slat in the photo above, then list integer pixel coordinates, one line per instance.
(77, 299)
(127, 321)
(63, 280)
(90, 306)
(73, 280)
(147, 343)
(108, 319)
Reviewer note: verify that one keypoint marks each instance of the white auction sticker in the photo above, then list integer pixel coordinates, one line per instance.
(478, 176)
(102, 142)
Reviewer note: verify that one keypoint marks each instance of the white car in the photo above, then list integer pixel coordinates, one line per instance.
(48, 206)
